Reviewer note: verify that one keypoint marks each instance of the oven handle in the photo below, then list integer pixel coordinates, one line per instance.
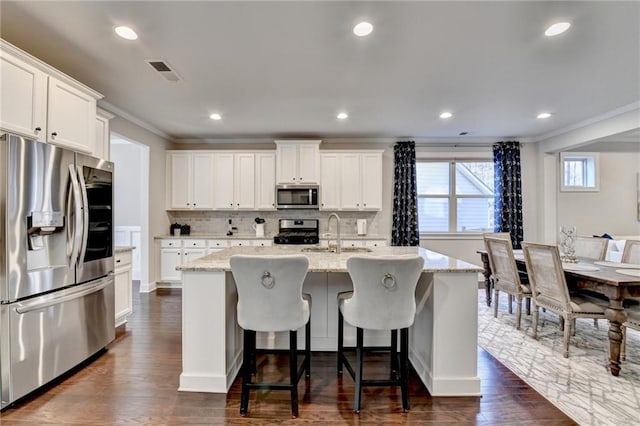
(77, 216)
(85, 290)
(85, 216)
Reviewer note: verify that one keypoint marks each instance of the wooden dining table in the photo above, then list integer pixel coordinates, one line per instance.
(606, 281)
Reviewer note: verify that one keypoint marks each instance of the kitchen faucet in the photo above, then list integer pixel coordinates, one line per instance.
(338, 242)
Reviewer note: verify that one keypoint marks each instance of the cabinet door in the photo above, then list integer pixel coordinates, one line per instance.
(71, 117)
(350, 181)
(23, 98)
(308, 163)
(223, 181)
(123, 295)
(180, 187)
(169, 259)
(189, 255)
(265, 181)
(287, 163)
(103, 142)
(329, 181)
(245, 181)
(371, 179)
(202, 181)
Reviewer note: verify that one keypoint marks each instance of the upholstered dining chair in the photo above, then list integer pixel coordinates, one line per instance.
(591, 248)
(270, 299)
(505, 276)
(631, 253)
(383, 298)
(633, 321)
(549, 290)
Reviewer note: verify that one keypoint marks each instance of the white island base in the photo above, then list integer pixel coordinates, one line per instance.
(442, 342)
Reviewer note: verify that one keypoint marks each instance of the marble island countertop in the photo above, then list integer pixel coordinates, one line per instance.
(122, 249)
(327, 261)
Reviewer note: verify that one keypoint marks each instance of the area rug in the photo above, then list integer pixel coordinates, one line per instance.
(581, 385)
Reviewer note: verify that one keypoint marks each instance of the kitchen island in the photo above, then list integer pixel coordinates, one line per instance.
(442, 341)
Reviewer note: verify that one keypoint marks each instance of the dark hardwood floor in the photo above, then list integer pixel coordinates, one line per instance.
(135, 382)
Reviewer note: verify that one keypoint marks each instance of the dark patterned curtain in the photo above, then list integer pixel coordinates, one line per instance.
(405, 196)
(508, 193)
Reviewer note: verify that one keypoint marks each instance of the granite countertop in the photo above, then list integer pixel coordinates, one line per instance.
(329, 262)
(122, 249)
(266, 237)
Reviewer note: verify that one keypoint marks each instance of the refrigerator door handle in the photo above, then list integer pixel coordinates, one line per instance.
(77, 216)
(85, 215)
(67, 295)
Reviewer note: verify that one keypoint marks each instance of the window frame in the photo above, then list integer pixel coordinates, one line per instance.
(591, 161)
(452, 197)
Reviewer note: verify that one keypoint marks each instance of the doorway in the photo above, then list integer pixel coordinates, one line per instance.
(131, 203)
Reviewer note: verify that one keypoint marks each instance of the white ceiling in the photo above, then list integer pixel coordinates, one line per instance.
(285, 69)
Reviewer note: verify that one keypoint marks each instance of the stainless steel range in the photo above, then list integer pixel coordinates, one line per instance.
(297, 231)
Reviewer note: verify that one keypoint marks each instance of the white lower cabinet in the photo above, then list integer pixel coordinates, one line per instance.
(123, 287)
(170, 258)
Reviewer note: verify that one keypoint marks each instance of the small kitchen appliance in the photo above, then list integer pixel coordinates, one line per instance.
(259, 227)
(297, 231)
(361, 225)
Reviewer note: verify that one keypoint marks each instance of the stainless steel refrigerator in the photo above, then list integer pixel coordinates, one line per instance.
(56, 262)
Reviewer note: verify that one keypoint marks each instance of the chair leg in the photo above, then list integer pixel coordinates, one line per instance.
(623, 345)
(307, 348)
(293, 373)
(536, 314)
(518, 312)
(358, 384)
(340, 341)
(496, 294)
(394, 354)
(573, 327)
(247, 355)
(567, 336)
(404, 367)
(561, 321)
(510, 304)
(528, 302)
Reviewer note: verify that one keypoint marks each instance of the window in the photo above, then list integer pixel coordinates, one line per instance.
(455, 196)
(578, 171)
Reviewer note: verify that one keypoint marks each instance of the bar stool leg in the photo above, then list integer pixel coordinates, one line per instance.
(340, 341)
(293, 374)
(359, 359)
(247, 355)
(404, 367)
(394, 354)
(307, 342)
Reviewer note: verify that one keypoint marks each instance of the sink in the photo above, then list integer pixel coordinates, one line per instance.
(333, 249)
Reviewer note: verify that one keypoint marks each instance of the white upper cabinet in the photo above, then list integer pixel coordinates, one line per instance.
(234, 177)
(298, 162)
(41, 103)
(190, 184)
(103, 138)
(71, 117)
(265, 181)
(351, 180)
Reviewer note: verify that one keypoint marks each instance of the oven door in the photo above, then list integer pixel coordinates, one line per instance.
(95, 178)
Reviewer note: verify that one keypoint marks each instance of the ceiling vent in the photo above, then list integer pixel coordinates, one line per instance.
(164, 69)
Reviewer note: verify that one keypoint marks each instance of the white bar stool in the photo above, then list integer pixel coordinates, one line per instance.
(383, 298)
(270, 299)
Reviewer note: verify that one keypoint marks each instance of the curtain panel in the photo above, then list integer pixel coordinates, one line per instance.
(404, 231)
(508, 190)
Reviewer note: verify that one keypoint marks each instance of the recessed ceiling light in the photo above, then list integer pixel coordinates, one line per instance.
(557, 28)
(215, 116)
(446, 114)
(544, 115)
(342, 116)
(126, 33)
(363, 29)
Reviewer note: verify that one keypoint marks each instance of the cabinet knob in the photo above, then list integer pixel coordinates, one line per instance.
(194, 204)
(357, 204)
(365, 204)
(238, 204)
(231, 204)
(188, 204)
(118, 261)
(37, 129)
(54, 134)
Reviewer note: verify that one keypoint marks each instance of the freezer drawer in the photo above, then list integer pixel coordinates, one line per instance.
(48, 335)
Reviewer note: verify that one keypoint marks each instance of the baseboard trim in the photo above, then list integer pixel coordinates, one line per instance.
(148, 287)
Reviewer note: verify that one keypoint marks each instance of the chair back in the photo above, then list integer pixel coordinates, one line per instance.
(383, 291)
(592, 248)
(270, 291)
(544, 267)
(631, 253)
(503, 265)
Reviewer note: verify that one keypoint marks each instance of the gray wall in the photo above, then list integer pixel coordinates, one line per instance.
(128, 177)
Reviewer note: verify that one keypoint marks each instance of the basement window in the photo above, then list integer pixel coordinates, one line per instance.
(579, 171)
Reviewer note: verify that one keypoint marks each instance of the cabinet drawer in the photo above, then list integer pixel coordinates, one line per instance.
(171, 243)
(375, 243)
(194, 243)
(243, 243)
(218, 244)
(123, 259)
(263, 243)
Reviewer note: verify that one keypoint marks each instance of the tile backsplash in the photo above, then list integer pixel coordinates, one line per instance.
(215, 222)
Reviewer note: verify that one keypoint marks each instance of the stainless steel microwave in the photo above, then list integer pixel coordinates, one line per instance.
(297, 197)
